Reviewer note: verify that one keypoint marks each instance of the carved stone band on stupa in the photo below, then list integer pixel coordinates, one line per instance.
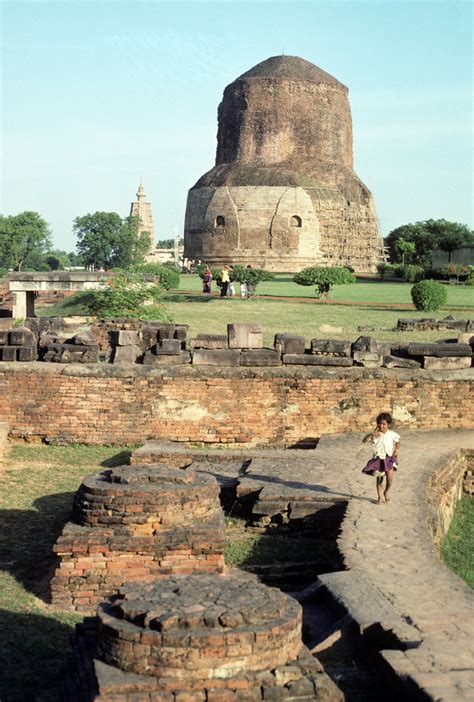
(283, 194)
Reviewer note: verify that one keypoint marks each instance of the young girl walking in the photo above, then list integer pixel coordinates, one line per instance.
(385, 445)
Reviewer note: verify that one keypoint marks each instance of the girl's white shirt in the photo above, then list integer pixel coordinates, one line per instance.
(384, 445)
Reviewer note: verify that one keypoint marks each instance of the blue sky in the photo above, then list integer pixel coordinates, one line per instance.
(98, 94)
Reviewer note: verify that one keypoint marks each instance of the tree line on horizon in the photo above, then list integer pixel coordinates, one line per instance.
(107, 240)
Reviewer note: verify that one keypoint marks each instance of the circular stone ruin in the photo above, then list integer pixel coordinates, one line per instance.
(217, 638)
(139, 522)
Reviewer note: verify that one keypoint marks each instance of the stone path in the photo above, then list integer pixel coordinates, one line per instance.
(391, 546)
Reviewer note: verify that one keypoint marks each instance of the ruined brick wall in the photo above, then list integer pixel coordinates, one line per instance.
(109, 404)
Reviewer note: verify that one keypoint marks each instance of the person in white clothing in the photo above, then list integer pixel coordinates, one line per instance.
(385, 445)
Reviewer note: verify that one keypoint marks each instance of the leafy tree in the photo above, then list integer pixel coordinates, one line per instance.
(251, 276)
(24, 239)
(324, 278)
(105, 240)
(429, 295)
(450, 241)
(57, 260)
(404, 247)
(128, 295)
(426, 236)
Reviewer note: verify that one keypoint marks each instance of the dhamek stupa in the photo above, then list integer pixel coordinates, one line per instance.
(283, 194)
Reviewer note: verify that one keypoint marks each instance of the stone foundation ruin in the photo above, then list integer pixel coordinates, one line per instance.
(140, 522)
(200, 638)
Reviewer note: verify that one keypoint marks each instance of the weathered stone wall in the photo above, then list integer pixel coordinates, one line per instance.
(110, 404)
(445, 489)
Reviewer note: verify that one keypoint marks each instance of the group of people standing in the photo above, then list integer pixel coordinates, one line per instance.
(225, 283)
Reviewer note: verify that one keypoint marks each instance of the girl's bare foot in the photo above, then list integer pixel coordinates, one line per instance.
(387, 497)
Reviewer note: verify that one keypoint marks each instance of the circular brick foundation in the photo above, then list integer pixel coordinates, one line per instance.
(199, 628)
(140, 522)
(146, 498)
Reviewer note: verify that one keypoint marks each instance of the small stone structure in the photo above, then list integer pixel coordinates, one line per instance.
(283, 194)
(198, 638)
(137, 523)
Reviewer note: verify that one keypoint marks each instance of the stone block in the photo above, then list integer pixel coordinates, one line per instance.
(365, 328)
(398, 362)
(446, 362)
(168, 347)
(221, 357)
(244, 336)
(46, 339)
(209, 341)
(8, 353)
(289, 343)
(331, 347)
(260, 357)
(3, 338)
(84, 338)
(450, 322)
(180, 331)
(126, 354)
(466, 338)
(165, 331)
(306, 359)
(71, 353)
(123, 337)
(22, 336)
(151, 359)
(439, 350)
(27, 353)
(368, 359)
(365, 343)
(470, 325)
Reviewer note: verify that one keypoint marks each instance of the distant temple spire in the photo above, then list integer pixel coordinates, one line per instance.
(142, 209)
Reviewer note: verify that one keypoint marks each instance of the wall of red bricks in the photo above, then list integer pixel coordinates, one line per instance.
(110, 404)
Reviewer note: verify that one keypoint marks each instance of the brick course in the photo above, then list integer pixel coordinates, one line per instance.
(279, 406)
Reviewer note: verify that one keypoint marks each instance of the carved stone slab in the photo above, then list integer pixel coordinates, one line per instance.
(446, 362)
(222, 357)
(289, 343)
(331, 347)
(439, 350)
(244, 336)
(306, 359)
(260, 357)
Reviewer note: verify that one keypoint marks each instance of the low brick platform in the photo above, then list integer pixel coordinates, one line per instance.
(137, 523)
(198, 638)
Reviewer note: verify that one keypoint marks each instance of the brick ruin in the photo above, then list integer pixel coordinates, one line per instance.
(283, 194)
(140, 522)
(154, 343)
(199, 638)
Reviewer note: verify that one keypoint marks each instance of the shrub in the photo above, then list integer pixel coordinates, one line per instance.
(429, 295)
(324, 278)
(251, 276)
(128, 295)
(3, 272)
(169, 277)
(412, 273)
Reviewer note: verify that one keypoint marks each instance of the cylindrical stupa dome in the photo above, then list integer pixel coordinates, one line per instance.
(286, 111)
(283, 194)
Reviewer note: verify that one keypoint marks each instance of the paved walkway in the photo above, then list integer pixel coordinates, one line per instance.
(391, 546)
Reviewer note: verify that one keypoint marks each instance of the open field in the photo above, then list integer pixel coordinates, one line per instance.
(457, 548)
(373, 303)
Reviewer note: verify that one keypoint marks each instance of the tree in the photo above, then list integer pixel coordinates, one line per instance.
(450, 241)
(105, 240)
(324, 278)
(426, 236)
(168, 243)
(405, 247)
(24, 239)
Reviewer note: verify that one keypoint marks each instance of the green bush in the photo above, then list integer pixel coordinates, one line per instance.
(324, 278)
(429, 295)
(3, 272)
(128, 295)
(251, 276)
(412, 273)
(169, 277)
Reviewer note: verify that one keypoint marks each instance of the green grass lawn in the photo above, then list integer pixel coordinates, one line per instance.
(381, 305)
(37, 484)
(457, 548)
